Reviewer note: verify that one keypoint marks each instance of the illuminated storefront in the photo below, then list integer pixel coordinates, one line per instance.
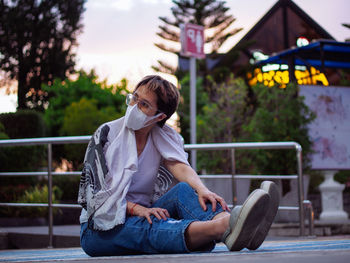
(309, 64)
(281, 78)
(284, 28)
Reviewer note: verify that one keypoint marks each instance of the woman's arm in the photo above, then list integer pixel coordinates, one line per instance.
(134, 209)
(184, 173)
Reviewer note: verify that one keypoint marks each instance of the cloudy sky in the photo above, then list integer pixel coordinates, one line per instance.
(119, 35)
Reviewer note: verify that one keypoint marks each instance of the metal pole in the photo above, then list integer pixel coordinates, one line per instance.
(310, 211)
(49, 169)
(233, 173)
(193, 103)
(300, 191)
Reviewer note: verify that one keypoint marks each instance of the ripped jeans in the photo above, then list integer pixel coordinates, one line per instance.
(137, 236)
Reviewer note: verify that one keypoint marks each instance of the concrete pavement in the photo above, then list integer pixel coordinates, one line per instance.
(275, 249)
(320, 250)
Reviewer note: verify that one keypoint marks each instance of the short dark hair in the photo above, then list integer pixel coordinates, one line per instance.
(167, 94)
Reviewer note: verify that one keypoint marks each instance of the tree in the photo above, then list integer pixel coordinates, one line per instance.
(37, 43)
(219, 120)
(78, 107)
(83, 118)
(65, 93)
(280, 115)
(212, 14)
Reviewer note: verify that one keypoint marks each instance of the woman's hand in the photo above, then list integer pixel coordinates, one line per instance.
(184, 173)
(205, 195)
(142, 211)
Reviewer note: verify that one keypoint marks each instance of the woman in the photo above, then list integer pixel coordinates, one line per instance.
(118, 179)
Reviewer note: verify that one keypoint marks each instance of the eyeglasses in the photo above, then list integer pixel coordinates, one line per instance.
(143, 105)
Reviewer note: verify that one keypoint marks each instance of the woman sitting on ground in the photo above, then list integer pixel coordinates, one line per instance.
(117, 184)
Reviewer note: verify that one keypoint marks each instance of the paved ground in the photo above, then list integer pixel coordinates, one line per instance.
(274, 249)
(318, 250)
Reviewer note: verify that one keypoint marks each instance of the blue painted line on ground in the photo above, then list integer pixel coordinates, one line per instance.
(267, 247)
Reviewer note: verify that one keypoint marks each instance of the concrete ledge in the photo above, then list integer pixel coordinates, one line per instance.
(320, 229)
(4, 240)
(29, 241)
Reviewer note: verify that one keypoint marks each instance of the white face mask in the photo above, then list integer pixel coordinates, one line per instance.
(135, 119)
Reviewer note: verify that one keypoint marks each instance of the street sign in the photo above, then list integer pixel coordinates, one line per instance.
(192, 40)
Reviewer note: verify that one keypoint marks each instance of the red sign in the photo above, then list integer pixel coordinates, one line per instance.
(192, 40)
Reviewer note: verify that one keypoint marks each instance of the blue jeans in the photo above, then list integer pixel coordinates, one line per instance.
(137, 236)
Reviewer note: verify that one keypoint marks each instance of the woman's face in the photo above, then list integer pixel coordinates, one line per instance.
(146, 101)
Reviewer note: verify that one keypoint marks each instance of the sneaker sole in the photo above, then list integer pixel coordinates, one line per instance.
(249, 218)
(266, 223)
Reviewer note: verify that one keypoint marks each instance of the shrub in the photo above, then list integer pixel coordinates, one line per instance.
(65, 92)
(78, 106)
(37, 194)
(22, 124)
(83, 118)
(221, 121)
(3, 135)
(280, 115)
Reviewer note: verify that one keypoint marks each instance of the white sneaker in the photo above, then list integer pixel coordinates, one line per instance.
(245, 220)
(264, 226)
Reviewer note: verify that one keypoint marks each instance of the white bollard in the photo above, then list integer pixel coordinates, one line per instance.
(332, 200)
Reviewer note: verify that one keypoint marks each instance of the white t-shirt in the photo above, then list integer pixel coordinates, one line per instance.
(107, 206)
(142, 182)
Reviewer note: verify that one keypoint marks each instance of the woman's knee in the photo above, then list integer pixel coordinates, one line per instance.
(184, 187)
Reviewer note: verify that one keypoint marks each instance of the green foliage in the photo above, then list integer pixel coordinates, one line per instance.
(225, 113)
(316, 178)
(219, 118)
(83, 118)
(38, 40)
(64, 93)
(78, 107)
(280, 115)
(343, 177)
(221, 121)
(184, 106)
(69, 186)
(22, 124)
(3, 135)
(237, 112)
(36, 194)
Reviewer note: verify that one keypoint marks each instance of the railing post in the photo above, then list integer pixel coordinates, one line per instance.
(49, 181)
(233, 180)
(310, 214)
(300, 190)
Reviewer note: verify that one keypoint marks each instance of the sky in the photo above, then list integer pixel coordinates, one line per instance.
(119, 35)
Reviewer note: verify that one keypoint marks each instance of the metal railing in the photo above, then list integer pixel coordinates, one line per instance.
(49, 141)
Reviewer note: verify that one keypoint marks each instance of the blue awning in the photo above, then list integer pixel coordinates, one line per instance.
(319, 54)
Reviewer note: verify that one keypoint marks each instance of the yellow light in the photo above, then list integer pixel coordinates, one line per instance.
(270, 78)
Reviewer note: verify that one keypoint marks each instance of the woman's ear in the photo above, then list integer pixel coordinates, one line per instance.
(162, 117)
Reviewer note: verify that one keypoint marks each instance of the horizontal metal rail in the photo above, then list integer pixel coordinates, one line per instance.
(40, 205)
(206, 176)
(49, 141)
(45, 141)
(244, 145)
(246, 176)
(295, 208)
(39, 173)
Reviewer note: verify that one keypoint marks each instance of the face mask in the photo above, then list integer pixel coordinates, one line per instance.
(135, 119)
